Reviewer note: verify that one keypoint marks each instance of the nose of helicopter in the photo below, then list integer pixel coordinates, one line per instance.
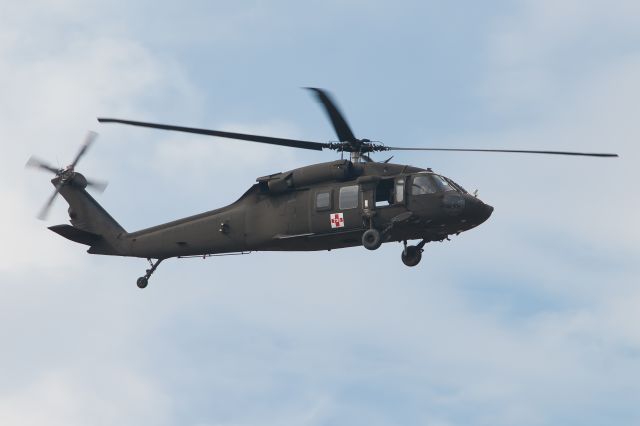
(478, 212)
(486, 213)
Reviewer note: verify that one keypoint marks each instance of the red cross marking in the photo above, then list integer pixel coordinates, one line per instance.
(337, 220)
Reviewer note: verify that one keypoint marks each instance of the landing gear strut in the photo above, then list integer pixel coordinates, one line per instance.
(144, 280)
(411, 255)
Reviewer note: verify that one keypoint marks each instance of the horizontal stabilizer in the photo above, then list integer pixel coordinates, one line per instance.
(75, 234)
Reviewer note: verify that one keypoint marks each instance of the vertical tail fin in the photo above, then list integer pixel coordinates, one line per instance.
(92, 225)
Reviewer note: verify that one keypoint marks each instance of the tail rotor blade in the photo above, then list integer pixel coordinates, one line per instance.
(91, 136)
(36, 163)
(66, 175)
(97, 185)
(44, 212)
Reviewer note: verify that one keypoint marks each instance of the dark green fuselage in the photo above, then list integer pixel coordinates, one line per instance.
(319, 207)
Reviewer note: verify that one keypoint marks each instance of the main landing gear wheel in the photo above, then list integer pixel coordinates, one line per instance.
(411, 255)
(142, 282)
(371, 239)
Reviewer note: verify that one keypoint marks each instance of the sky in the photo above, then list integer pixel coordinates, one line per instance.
(530, 319)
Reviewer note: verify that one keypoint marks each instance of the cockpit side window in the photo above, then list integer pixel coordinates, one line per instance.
(422, 184)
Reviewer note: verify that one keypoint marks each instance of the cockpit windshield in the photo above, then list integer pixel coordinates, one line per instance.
(442, 184)
(432, 183)
(456, 186)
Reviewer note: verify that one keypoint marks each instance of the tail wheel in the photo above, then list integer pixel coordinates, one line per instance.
(142, 282)
(411, 255)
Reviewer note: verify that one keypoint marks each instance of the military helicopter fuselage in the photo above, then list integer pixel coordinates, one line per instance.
(318, 207)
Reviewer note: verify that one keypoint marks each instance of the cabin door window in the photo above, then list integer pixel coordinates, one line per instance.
(348, 198)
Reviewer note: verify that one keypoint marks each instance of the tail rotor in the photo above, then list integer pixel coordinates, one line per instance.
(66, 175)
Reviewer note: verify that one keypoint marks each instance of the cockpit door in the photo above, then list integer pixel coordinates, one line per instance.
(423, 195)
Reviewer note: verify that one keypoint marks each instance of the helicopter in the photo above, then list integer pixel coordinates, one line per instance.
(325, 206)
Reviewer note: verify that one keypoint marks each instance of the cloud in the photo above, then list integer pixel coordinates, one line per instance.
(64, 398)
(544, 49)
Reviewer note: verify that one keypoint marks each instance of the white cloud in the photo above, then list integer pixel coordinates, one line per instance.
(67, 398)
(545, 48)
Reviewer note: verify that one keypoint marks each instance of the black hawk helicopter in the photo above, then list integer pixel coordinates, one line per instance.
(342, 203)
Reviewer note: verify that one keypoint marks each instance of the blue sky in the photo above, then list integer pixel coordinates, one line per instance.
(530, 319)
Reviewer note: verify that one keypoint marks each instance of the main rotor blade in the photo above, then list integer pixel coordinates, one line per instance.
(44, 212)
(339, 123)
(294, 143)
(517, 151)
(39, 164)
(91, 136)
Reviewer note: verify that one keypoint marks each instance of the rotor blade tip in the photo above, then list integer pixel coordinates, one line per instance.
(98, 186)
(318, 92)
